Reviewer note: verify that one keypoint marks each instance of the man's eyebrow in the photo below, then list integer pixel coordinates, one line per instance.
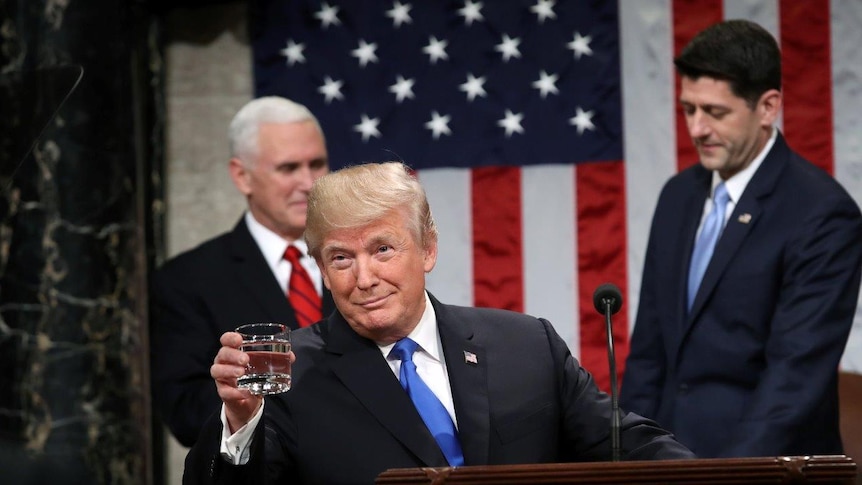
(383, 237)
(704, 106)
(332, 248)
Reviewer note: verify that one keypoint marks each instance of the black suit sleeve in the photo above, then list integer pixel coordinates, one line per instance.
(587, 417)
(204, 464)
(183, 344)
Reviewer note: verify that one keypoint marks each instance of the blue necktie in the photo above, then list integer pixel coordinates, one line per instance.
(705, 244)
(436, 417)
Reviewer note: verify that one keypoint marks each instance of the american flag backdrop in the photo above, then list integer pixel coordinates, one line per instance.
(544, 130)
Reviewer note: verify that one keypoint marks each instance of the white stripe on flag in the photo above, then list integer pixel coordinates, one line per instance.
(763, 12)
(846, 19)
(650, 139)
(448, 191)
(550, 248)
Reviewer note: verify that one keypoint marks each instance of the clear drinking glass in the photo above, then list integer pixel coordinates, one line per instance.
(267, 346)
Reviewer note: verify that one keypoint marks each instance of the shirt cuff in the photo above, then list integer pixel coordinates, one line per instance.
(234, 448)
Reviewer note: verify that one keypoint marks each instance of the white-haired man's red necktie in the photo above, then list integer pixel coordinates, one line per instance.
(300, 290)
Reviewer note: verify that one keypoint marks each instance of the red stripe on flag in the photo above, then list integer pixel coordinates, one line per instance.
(601, 234)
(807, 71)
(498, 278)
(689, 18)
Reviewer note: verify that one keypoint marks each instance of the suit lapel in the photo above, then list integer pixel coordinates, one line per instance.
(328, 303)
(693, 212)
(465, 363)
(732, 237)
(365, 373)
(252, 273)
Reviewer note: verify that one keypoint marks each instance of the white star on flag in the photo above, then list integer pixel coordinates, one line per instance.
(546, 84)
(473, 87)
(403, 88)
(581, 45)
(583, 120)
(365, 52)
(439, 125)
(508, 47)
(436, 49)
(368, 127)
(400, 14)
(512, 123)
(544, 9)
(328, 15)
(293, 52)
(331, 89)
(471, 11)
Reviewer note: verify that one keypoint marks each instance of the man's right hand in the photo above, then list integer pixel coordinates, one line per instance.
(230, 363)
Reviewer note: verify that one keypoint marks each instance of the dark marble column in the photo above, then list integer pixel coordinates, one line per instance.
(79, 174)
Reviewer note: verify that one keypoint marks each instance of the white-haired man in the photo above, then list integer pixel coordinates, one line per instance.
(245, 275)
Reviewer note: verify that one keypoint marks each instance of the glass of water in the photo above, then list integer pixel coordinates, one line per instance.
(268, 347)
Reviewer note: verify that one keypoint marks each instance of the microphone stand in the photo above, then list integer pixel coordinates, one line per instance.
(615, 404)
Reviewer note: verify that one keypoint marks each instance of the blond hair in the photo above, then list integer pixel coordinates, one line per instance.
(361, 194)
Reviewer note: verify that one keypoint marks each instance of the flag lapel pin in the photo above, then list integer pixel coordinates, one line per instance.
(744, 218)
(470, 358)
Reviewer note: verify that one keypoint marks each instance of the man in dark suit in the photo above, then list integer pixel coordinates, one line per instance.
(743, 360)
(277, 150)
(505, 387)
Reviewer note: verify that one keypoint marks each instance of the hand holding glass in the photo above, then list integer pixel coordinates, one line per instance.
(268, 348)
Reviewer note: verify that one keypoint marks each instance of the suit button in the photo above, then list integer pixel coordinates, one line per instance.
(683, 388)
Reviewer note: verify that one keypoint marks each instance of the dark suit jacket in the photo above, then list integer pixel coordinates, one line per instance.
(196, 297)
(347, 419)
(752, 370)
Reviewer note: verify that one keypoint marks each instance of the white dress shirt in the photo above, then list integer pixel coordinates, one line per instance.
(429, 360)
(735, 184)
(273, 247)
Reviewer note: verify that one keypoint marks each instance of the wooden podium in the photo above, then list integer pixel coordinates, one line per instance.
(832, 469)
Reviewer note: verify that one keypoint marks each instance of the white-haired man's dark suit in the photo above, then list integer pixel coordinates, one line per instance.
(197, 296)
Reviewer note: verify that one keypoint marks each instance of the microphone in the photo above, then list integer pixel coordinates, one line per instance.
(608, 299)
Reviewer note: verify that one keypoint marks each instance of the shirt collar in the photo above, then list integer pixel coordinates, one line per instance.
(737, 183)
(271, 244)
(425, 333)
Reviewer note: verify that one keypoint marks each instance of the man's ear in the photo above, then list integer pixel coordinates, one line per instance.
(769, 107)
(239, 173)
(430, 256)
